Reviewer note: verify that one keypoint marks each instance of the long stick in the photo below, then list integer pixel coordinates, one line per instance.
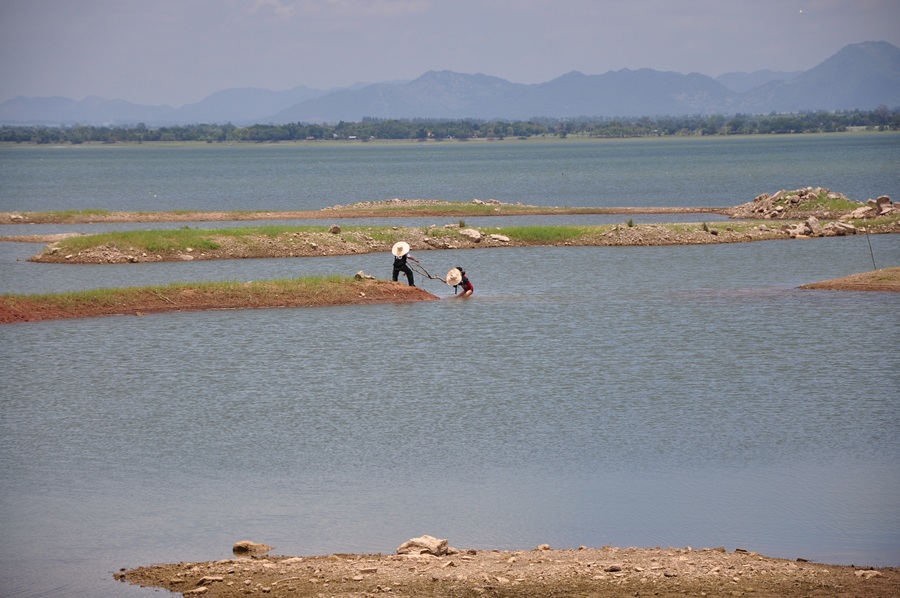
(421, 270)
(872, 253)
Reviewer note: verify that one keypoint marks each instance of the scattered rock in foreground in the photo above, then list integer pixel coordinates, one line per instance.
(609, 572)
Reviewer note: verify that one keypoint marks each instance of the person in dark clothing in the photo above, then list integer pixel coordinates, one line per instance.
(467, 288)
(401, 254)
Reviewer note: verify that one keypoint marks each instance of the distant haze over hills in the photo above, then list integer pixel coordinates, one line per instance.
(741, 82)
(860, 76)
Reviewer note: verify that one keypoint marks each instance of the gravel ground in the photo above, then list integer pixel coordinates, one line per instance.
(585, 572)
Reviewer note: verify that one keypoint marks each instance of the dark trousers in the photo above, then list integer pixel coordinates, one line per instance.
(409, 274)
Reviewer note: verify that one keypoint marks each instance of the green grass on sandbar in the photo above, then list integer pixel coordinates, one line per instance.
(320, 287)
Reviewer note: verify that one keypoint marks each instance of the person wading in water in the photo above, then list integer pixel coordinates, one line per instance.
(457, 277)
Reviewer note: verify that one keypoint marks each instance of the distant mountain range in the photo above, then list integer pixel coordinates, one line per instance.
(860, 76)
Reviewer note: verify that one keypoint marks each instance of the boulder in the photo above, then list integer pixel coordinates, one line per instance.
(471, 234)
(424, 545)
(334, 229)
(883, 205)
(858, 213)
(812, 223)
(247, 547)
(843, 228)
(796, 231)
(501, 238)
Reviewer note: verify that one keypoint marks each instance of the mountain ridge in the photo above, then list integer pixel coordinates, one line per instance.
(859, 76)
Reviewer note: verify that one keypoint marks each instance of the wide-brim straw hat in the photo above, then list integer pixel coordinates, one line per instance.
(400, 248)
(454, 277)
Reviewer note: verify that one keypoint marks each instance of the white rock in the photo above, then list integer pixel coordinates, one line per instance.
(424, 545)
(471, 234)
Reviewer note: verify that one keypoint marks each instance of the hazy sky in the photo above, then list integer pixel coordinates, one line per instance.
(179, 51)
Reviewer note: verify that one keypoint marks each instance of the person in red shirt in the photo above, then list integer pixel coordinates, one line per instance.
(465, 283)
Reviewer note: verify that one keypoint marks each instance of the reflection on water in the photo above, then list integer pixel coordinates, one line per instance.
(626, 396)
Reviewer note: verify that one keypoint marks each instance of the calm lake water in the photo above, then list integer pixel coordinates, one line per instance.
(704, 171)
(661, 396)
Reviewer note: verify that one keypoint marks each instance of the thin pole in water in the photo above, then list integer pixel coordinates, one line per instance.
(872, 253)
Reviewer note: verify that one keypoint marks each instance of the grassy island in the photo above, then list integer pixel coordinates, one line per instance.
(395, 208)
(314, 291)
(187, 244)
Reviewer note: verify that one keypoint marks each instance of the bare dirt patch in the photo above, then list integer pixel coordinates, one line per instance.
(586, 572)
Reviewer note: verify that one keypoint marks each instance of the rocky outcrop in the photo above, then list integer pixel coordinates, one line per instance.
(874, 208)
(813, 228)
(812, 201)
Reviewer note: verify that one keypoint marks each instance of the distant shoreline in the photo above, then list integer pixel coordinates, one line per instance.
(573, 138)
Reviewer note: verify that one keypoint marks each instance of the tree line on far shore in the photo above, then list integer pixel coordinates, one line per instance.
(881, 119)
